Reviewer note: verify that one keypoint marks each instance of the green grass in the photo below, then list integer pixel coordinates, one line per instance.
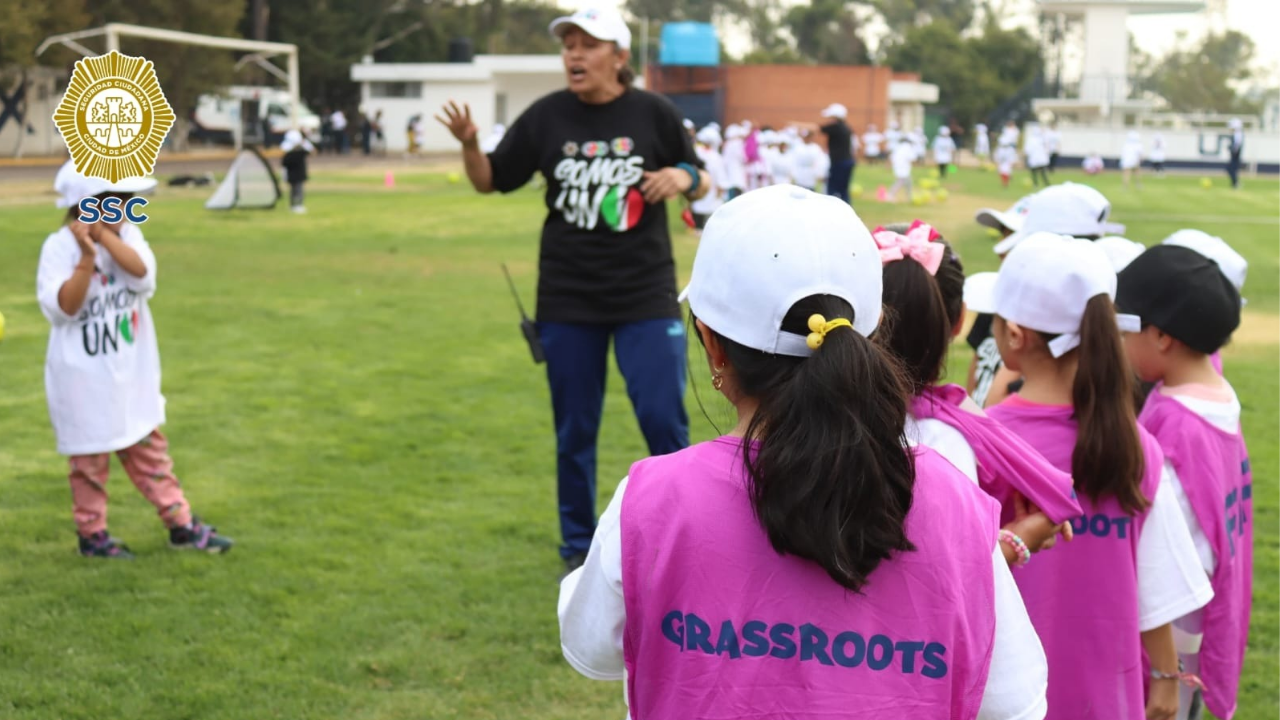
(350, 399)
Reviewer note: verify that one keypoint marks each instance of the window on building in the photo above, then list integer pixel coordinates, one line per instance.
(500, 108)
(395, 89)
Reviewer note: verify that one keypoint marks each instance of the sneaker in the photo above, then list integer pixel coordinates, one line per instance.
(198, 536)
(102, 545)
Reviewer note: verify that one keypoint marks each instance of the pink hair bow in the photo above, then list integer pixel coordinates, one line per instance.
(916, 244)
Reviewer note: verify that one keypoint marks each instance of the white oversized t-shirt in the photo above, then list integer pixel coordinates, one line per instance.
(102, 369)
(944, 149)
(901, 158)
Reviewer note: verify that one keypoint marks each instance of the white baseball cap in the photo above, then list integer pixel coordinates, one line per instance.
(1231, 263)
(600, 23)
(72, 187)
(1045, 284)
(709, 136)
(1065, 209)
(1120, 251)
(835, 110)
(1010, 219)
(770, 248)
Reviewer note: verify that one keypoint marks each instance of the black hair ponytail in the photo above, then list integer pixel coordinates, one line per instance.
(1107, 460)
(831, 478)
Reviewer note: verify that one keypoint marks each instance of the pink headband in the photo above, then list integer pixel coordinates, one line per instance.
(916, 244)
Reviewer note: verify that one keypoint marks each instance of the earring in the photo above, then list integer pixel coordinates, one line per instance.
(717, 381)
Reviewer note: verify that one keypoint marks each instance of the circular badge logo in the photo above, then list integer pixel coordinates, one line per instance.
(114, 117)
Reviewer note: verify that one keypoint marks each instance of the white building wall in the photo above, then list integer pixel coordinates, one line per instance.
(1180, 145)
(396, 112)
(520, 80)
(524, 89)
(1106, 54)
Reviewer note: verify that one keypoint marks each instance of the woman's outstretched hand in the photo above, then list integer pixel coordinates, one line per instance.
(459, 122)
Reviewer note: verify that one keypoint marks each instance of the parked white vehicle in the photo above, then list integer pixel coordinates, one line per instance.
(216, 116)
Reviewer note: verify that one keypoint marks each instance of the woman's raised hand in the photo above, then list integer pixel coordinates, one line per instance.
(459, 122)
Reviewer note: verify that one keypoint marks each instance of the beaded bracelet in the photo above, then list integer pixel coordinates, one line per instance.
(1191, 680)
(1019, 547)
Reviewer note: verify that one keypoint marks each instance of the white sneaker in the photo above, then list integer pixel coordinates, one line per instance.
(300, 209)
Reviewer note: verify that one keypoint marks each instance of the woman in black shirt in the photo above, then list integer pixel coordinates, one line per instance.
(612, 156)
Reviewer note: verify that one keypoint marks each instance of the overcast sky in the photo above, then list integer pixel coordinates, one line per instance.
(1155, 34)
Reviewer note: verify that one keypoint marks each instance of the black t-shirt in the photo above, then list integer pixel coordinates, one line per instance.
(839, 141)
(606, 253)
(980, 331)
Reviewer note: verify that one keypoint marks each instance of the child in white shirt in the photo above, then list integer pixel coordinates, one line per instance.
(903, 155)
(102, 374)
(944, 149)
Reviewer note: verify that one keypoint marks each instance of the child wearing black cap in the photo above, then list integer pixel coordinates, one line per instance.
(1189, 310)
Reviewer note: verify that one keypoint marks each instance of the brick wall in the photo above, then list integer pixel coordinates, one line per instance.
(776, 94)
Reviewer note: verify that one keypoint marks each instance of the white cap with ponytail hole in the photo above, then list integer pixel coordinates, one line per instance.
(1045, 284)
(766, 250)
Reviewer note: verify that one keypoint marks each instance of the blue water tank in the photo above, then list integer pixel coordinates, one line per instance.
(689, 43)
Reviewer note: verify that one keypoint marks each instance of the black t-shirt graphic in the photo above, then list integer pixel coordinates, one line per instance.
(839, 141)
(989, 363)
(606, 253)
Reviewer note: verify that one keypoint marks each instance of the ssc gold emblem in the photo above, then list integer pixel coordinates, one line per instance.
(114, 116)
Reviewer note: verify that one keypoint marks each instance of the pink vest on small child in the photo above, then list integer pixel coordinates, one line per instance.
(1213, 467)
(1006, 462)
(1082, 596)
(719, 625)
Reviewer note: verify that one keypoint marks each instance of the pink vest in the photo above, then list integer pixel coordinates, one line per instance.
(1213, 467)
(719, 625)
(1082, 596)
(1005, 461)
(752, 146)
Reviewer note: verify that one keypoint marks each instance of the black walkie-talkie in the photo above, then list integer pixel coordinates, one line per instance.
(527, 326)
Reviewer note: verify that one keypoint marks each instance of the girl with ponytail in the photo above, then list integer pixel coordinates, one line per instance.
(1103, 604)
(923, 298)
(809, 563)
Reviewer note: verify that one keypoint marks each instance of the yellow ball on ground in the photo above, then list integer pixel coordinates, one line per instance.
(935, 173)
(856, 190)
(917, 199)
(942, 194)
(994, 233)
(1206, 183)
(1, 326)
(455, 177)
(927, 196)
(1026, 182)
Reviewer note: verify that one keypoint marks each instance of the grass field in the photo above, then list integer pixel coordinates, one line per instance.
(350, 399)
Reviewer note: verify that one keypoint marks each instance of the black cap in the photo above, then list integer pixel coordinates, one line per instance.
(1183, 293)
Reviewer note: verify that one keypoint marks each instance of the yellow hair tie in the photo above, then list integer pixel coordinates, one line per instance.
(820, 327)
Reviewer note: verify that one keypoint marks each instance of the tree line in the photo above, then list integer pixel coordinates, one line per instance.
(958, 45)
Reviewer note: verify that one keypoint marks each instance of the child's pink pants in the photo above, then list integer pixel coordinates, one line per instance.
(149, 467)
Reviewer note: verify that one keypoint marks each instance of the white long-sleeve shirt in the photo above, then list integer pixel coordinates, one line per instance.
(102, 369)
